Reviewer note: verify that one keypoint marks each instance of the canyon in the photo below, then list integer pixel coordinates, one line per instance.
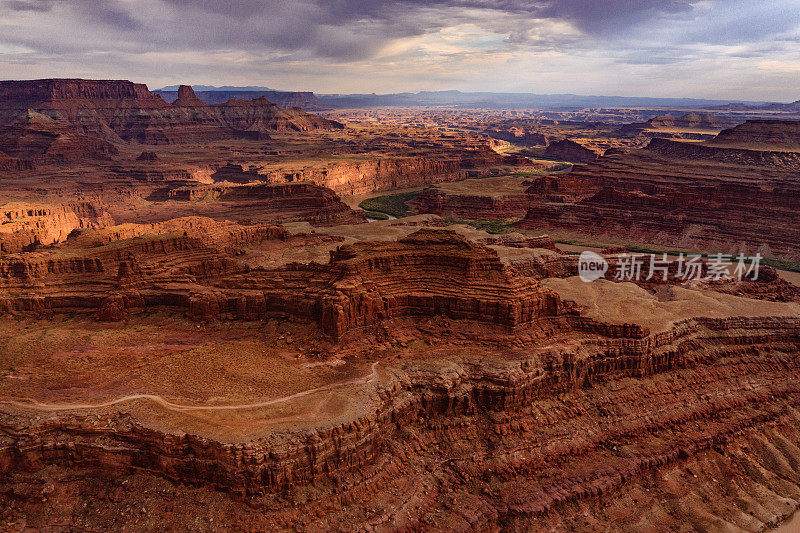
(508, 365)
(677, 193)
(124, 111)
(231, 314)
(723, 194)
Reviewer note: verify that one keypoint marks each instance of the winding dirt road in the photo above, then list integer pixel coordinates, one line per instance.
(30, 403)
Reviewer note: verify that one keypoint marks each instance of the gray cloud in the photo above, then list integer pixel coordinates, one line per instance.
(343, 29)
(309, 40)
(363, 25)
(29, 5)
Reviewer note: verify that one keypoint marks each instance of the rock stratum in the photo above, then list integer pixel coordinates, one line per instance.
(763, 135)
(256, 202)
(724, 195)
(569, 150)
(122, 111)
(424, 382)
(199, 331)
(124, 267)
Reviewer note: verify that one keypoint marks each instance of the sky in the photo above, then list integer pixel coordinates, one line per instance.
(737, 50)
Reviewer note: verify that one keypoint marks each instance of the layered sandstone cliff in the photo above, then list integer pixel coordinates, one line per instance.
(518, 444)
(363, 285)
(261, 202)
(8, 163)
(470, 206)
(37, 137)
(121, 111)
(305, 100)
(569, 150)
(762, 135)
(486, 397)
(683, 194)
(26, 226)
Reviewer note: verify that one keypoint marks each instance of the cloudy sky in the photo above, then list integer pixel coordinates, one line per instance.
(737, 49)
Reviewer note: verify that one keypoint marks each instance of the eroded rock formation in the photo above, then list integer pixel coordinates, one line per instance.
(26, 226)
(762, 135)
(34, 136)
(362, 286)
(518, 397)
(569, 150)
(470, 206)
(229, 372)
(305, 100)
(121, 111)
(263, 202)
(519, 444)
(719, 198)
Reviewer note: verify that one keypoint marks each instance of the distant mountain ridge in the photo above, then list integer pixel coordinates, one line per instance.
(769, 106)
(307, 101)
(509, 100)
(310, 101)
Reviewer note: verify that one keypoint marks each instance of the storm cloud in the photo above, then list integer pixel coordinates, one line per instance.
(580, 46)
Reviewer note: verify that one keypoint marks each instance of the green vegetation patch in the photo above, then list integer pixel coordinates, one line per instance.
(782, 264)
(390, 204)
(375, 215)
(489, 226)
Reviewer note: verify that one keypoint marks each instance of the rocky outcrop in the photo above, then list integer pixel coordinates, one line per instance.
(121, 111)
(187, 98)
(470, 206)
(26, 226)
(223, 236)
(29, 94)
(36, 137)
(264, 202)
(344, 178)
(191, 265)
(394, 173)
(370, 284)
(782, 135)
(689, 120)
(522, 443)
(518, 136)
(8, 163)
(678, 194)
(354, 178)
(304, 100)
(415, 277)
(517, 240)
(569, 150)
(787, 160)
(147, 156)
(364, 285)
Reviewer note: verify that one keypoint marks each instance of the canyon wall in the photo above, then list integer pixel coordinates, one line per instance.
(305, 100)
(470, 207)
(477, 433)
(683, 194)
(762, 134)
(364, 285)
(569, 150)
(26, 226)
(260, 202)
(396, 173)
(121, 111)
